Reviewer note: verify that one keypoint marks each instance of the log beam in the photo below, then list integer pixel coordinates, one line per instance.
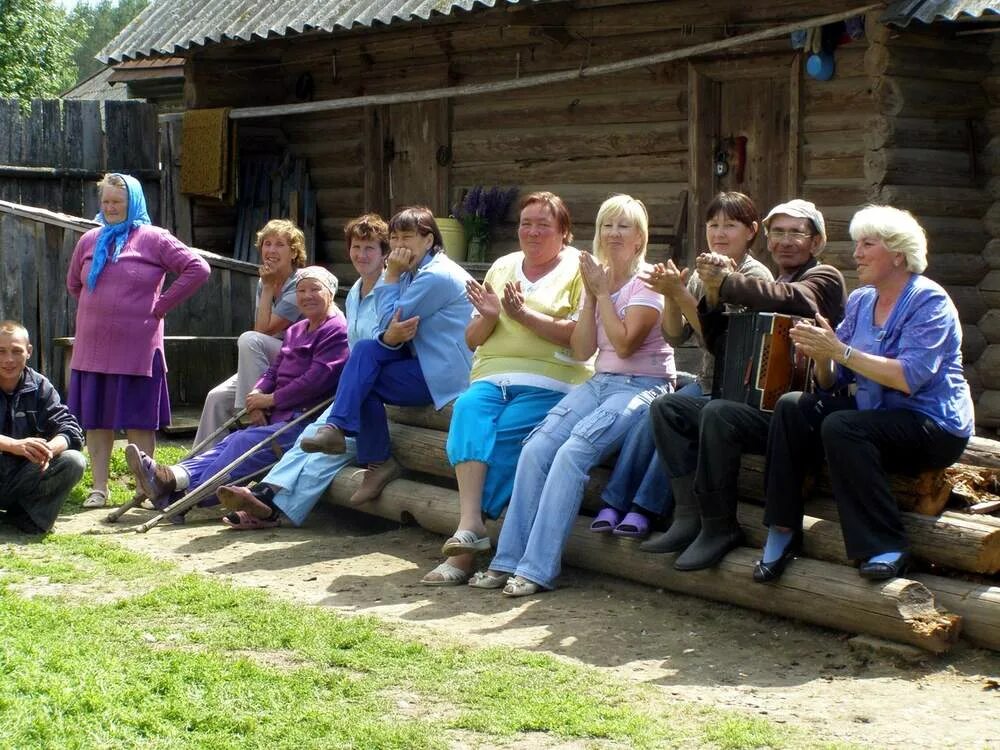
(828, 595)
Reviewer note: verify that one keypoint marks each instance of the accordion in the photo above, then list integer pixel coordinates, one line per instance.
(760, 362)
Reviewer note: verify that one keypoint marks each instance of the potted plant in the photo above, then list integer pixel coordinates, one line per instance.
(479, 211)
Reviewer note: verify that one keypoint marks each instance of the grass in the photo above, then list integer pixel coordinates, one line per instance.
(101, 647)
(105, 648)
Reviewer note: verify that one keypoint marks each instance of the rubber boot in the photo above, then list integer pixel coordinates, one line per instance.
(686, 523)
(718, 536)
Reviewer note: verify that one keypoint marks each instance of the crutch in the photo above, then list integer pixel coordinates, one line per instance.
(209, 486)
(139, 495)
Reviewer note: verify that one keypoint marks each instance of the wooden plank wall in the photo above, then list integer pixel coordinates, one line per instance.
(87, 138)
(35, 250)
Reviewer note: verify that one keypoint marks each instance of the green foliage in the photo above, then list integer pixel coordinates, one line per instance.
(36, 49)
(98, 24)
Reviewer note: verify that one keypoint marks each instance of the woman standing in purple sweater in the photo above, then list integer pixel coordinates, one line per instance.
(118, 371)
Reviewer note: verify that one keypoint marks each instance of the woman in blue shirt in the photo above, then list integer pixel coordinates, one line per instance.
(900, 345)
(418, 357)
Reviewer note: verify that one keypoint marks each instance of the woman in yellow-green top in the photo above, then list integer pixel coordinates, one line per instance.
(520, 331)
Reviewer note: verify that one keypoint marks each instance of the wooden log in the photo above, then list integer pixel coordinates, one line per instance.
(957, 541)
(977, 604)
(989, 326)
(974, 343)
(989, 289)
(991, 254)
(971, 302)
(988, 409)
(838, 192)
(918, 166)
(662, 167)
(952, 539)
(941, 65)
(568, 141)
(927, 493)
(951, 269)
(817, 592)
(932, 200)
(922, 97)
(988, 366)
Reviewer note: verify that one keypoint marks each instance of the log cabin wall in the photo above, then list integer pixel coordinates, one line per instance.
(584, 140)
(901, 122)
(988, 366)
(926, 154)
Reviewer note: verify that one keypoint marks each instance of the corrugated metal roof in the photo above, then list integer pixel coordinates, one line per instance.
(902, 12)
(167, 27)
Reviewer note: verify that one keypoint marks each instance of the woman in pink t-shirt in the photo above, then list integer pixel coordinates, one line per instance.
(619, 321)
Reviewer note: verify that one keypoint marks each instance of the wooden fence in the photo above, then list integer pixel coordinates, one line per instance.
(35, 249)
(51, 155)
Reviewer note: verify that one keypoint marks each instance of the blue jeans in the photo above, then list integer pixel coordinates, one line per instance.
(586, 426)
(489, 424)
(374, 376)
(639, 477)
(301, 478)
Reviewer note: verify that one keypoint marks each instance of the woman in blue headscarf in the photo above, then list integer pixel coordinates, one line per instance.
(118, 371)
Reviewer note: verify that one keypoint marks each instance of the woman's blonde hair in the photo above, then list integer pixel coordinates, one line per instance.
(292, 234)
(899, 231)
(632, 209)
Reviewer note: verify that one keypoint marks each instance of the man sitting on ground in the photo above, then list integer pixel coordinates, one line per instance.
(40, 440)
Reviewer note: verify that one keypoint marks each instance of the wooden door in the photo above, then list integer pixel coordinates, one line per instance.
(746, 119)
(417, 155)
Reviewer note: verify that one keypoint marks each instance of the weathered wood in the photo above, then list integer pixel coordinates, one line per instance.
(771, 32)
(925, 97)
(989, 326)
(953, 540)
(988, 408)
(829, 595)
(933, 200)
(970, 302)
(942, 65)
(977, 604)
(973, 343)
(955, 269)
(918, 132)
(989, 290)
(988, 365)
(917, 166)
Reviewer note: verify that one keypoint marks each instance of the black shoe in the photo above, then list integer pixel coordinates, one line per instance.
(716, 540)
(883, 571)
(771, 571)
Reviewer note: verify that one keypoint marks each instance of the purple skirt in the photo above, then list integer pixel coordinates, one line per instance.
(105, 401)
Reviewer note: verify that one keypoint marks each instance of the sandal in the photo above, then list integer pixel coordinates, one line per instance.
(520, 586)
(483, 579)
(606, 520)
(465, 542)
(447, 575)
(635, 525)
(96, 499)
(242, 521)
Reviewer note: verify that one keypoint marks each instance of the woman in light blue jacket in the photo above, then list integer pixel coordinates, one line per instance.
(419, 356)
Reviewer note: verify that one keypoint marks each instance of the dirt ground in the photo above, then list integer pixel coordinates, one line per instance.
(695, 650)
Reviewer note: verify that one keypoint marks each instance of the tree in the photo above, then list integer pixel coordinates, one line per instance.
(36, 49)
(98, 24)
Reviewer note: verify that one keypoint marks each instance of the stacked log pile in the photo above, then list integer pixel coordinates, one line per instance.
(927, 610)
(988, 368)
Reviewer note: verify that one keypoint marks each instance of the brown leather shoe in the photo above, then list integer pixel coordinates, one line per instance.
(374, 481)
(328, 439)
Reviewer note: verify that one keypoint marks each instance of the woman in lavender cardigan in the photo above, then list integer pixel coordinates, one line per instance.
(118, 371)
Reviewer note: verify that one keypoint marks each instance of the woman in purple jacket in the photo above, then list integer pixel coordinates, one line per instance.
(118, 371)
(305, 372)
